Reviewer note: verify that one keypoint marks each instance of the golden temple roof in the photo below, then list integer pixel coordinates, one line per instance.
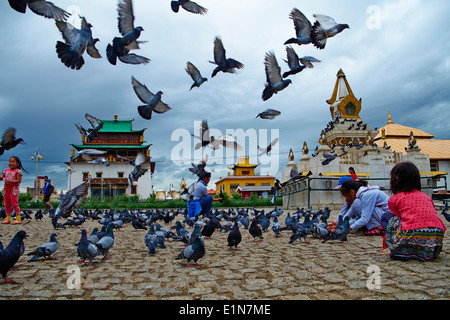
(397, 136)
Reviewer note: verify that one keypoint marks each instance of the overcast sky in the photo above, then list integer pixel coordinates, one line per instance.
(395, 56)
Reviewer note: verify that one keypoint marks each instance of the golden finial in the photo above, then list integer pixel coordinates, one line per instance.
(291, 155)
(305, 149)
(389, 118)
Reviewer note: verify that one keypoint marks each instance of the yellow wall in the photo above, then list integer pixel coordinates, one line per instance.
(227, 182)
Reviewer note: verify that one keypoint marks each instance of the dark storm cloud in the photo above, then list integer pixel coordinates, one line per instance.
(400, 65)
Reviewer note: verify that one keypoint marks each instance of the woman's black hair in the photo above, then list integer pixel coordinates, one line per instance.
(353, 169)
(352, 185)
(405, 177)
(19, 163)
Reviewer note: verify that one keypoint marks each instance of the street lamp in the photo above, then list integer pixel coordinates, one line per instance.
(70, 170)
(36, 156)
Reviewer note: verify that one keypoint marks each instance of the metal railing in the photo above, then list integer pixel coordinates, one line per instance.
(304, 185)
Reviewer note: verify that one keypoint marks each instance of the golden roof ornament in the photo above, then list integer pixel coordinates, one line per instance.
(291, 155)
(305, 149)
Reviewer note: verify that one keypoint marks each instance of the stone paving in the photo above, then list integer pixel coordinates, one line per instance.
(271, 269)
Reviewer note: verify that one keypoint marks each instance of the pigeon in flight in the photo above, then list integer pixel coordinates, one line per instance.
(153, 101)
(199, 169)
(269, 114)
(273, 74)
(138, 169)
(189, 6)
(293, 62)
(121, 46)
(100, 160)
(87, 152)
(269, 147)
(328, 158)
(195, 75)
(325, 27)
(204, 136)
(72, 200)
(226, 141)
(96, 126)
(77, 41)
(9, 140)
(43, 8)
(302, 26)
(223, 64)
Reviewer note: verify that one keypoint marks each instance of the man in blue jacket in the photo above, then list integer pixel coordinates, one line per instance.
(48, 190)
(200, 195)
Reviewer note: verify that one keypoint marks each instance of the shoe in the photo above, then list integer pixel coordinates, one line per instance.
(17, 222)
(6, 222)
(374, 232)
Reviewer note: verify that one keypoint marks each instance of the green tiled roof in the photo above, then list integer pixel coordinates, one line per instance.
(109, 146)
(125, 126)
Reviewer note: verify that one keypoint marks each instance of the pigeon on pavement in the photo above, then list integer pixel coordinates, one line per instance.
(193, 252)
(11, 254)
(152, 101)
(255, 230)
(234, 237)
(45, 250)
(106, 242)
(85, 249)
(275, 82)
(223, 64)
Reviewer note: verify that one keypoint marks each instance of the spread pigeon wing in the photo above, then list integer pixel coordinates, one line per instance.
(48, 10)
(219, 51)
(141, 91)
(301, 23)
(92, 120)
(68, 31)
(132, 58)
(161, 107)
(193, 71)
(293, 60)
(273, 70)
(91, 49)
(193, 7)
(325, 21)
(8, 136)
(126, 21)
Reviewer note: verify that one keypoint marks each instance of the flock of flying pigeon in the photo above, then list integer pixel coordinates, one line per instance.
(78, 41)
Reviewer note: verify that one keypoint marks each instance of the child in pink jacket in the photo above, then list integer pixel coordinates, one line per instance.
(13, 177)
(415, 231)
